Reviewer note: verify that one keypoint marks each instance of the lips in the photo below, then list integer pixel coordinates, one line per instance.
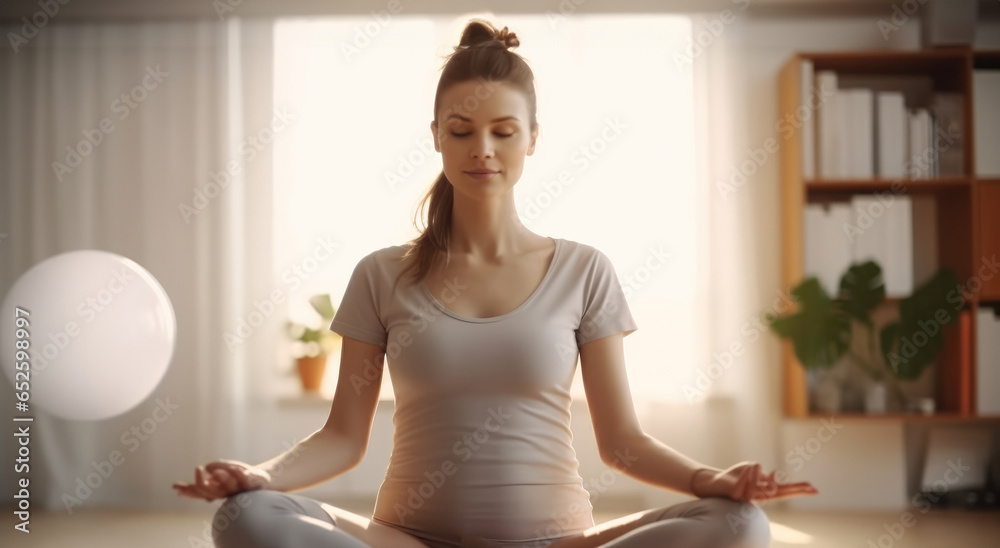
(481, 174)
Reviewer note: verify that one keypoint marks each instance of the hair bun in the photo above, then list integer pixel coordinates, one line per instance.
(479, 32)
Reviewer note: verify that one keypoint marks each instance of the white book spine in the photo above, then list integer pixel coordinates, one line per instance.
(806, 93)
(863, 134)
(828, 126)
(891, 126)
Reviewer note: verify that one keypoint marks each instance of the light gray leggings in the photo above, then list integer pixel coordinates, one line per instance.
(272, 519)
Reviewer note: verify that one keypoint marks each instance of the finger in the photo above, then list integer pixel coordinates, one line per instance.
(739, 490)
(207, 485)
(226, 480)
(246, 479)
(795, 490)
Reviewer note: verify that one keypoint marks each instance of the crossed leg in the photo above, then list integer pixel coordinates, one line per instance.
(701, 523)
(273, 519)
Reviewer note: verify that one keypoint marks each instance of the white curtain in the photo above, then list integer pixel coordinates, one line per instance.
(741, 254)
(196, 91)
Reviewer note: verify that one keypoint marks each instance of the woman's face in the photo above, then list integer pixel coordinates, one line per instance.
(483, 135)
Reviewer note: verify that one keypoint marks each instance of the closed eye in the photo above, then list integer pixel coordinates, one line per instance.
(470, 133)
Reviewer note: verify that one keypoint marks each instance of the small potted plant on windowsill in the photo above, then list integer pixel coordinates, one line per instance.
(821, 331)
(313, 344)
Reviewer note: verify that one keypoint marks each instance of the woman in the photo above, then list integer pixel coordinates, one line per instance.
(483, 322)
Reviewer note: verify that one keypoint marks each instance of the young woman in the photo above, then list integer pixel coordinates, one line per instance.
(483, 322)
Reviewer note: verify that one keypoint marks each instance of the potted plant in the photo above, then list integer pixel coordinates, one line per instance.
(822, 329)
(314, 343)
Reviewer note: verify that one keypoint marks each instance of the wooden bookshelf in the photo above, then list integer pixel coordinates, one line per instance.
(968, 216)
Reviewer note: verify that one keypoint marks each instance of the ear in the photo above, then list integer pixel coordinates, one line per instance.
(434, 135)
(531, 144)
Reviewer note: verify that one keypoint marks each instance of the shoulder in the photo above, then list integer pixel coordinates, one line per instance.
(583, 255)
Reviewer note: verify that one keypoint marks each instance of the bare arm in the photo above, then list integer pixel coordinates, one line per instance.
(334, 449)
(342, 442)
(625, 447)
(621, 442)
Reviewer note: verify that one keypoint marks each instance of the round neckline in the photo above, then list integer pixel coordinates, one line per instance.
(538, 289)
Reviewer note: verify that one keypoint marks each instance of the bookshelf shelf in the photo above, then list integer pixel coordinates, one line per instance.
(966, 222)
(902, 417)
(858, 186)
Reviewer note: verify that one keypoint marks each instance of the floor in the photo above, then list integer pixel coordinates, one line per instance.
(129, 529)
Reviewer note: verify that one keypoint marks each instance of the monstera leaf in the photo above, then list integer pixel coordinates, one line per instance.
(862, 290)
(912, 343)
(820, 331)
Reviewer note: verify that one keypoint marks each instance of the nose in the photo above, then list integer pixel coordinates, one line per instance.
(483, 146)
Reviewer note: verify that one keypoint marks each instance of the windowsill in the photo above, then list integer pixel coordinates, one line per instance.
(321, 399)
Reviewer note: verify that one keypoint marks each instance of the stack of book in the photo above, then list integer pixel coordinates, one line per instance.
(862, 133)
(867, 228)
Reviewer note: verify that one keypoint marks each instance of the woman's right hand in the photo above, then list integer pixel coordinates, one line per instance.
(221, 478)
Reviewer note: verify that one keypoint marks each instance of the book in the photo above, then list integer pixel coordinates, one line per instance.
(986, 121)
(861, 133)
(919, 153)
(806, 94)
(827, 249)
(828, 127)
(987, 361)
(947, 137)
(891, 127)
(885, 235)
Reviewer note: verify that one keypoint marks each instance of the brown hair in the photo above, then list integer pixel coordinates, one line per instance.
(482, 54)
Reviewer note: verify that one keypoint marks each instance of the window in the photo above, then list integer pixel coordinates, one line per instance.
(616, 114)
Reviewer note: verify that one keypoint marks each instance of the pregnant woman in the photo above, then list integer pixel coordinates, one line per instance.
(483, 323)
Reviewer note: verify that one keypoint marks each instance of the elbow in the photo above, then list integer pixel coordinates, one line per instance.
(622, 453)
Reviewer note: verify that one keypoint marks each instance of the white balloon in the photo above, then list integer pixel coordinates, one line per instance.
(100, 337)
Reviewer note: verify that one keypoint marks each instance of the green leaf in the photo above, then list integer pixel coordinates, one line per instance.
(820, 331)
(322, 305)
(862, 290)
(923, 317)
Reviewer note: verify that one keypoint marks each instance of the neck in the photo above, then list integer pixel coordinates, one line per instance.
(488, 228)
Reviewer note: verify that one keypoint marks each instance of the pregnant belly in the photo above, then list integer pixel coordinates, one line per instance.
(498, 512)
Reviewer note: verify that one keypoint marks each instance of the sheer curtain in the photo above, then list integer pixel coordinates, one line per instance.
(195, 91)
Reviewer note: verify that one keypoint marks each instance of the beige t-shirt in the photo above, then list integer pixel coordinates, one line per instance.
(482, 445)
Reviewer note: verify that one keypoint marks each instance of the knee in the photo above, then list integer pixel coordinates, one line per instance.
(241, 519)
(744, 524)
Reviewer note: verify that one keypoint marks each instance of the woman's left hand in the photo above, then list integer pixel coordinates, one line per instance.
(746, 481)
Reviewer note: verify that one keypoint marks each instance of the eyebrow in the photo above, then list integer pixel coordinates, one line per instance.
(495, 120)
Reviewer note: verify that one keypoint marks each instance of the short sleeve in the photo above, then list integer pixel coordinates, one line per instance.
(606, 310)
(358, 315)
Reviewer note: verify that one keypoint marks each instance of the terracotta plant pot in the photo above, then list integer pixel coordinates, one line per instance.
(311, 372)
